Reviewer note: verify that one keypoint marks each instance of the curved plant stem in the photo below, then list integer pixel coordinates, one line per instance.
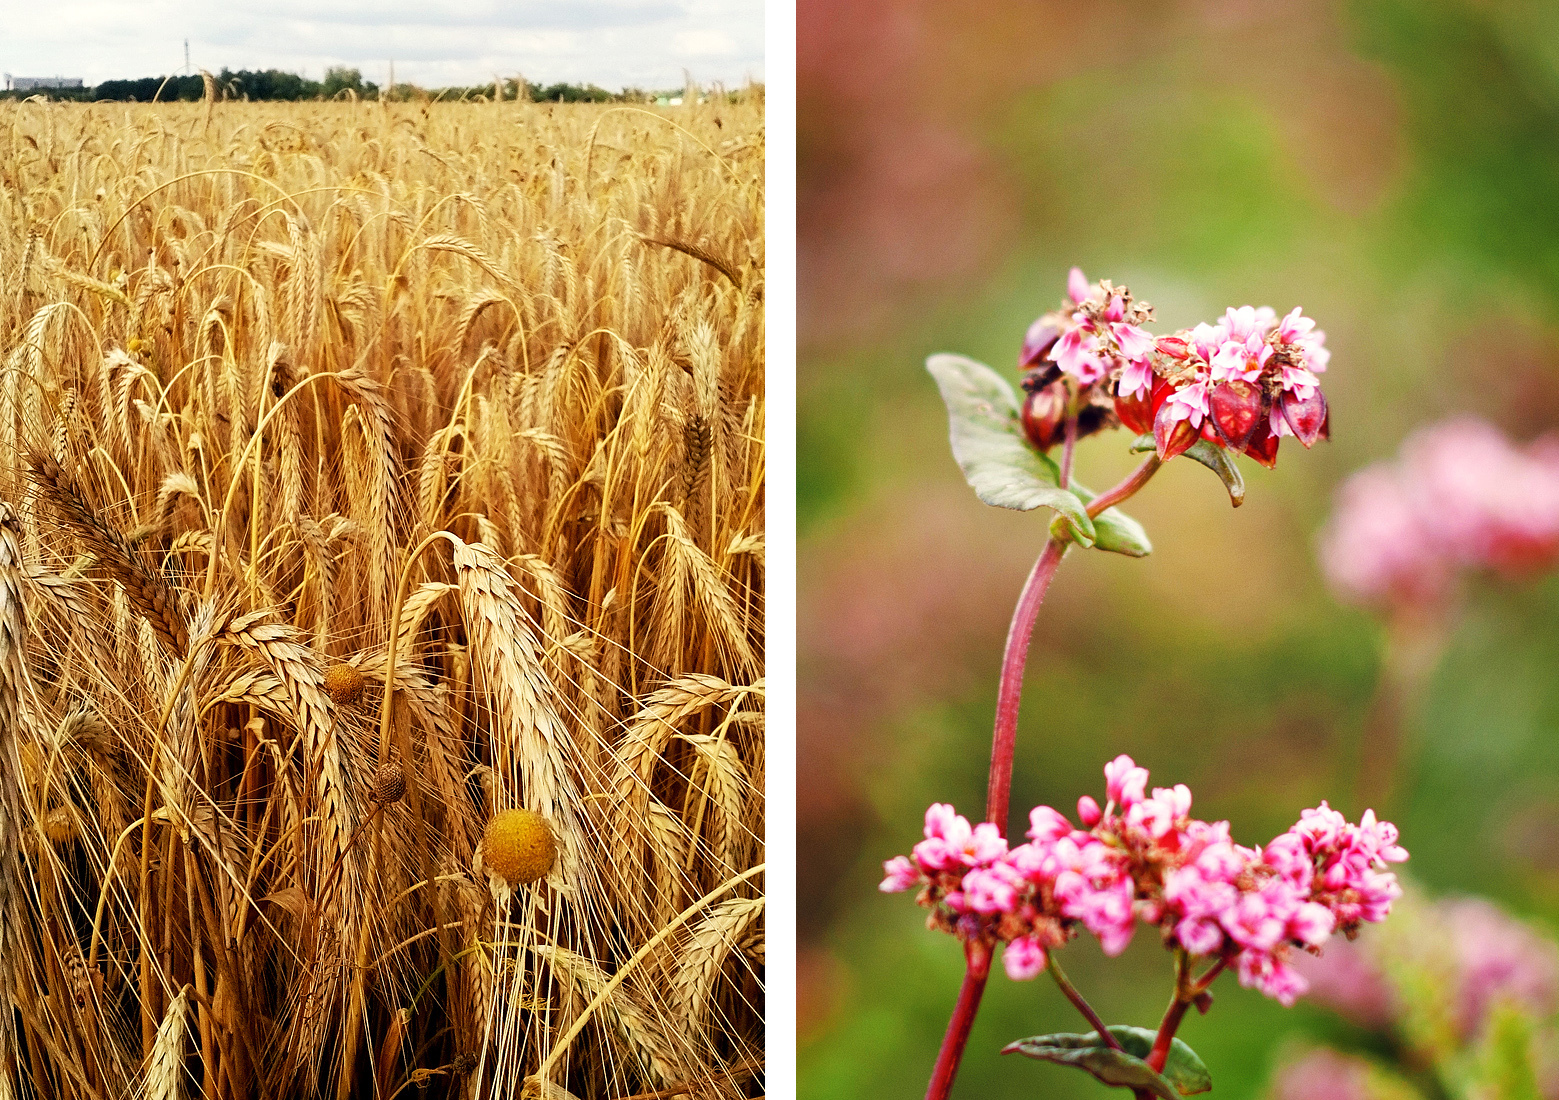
(1004, 740)
(977, 969)
(1139, 477)
(1080, 1004)
(1009, 692)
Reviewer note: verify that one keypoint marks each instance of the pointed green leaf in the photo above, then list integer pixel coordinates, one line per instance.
(986, 430)
(1184, 1074)
(1220, 462)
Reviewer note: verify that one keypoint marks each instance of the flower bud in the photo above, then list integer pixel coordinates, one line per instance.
(1237, 407)
(1044, 415)
(1041, 337)
(1172, 436)
(1088, 811)
(1307, 416)
(1172, 346)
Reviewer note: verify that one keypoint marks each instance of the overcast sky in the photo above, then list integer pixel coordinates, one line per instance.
(434, 43)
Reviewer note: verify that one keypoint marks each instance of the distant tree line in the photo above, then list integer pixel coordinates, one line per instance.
(273, 84)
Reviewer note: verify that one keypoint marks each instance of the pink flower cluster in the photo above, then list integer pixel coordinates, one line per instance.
(1242, 382)
(1143, 857)
(1459, 497)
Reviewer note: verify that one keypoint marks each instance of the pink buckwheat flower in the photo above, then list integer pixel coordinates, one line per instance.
(1124, 782)
(900, 874)
(1077, 286)
(1272, 976)
(1240, 383)
(1024, 958)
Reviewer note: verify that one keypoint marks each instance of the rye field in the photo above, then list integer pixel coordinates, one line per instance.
(381, 600)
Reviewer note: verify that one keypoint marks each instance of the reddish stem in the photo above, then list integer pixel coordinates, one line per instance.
(978, 968)
(1010, 691)
(998, 792)
(1066, 451)
(1186, 993)
(1139, 477)
(1166, 1034)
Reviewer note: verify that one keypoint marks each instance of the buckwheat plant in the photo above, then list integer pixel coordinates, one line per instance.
(1238, 385)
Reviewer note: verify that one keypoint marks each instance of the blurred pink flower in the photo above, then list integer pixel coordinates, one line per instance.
(1323, 1075)
(1347, 979)
(1460, 497)
(1499, 960)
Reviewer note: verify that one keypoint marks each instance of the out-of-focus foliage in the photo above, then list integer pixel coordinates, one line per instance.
(1392, 166)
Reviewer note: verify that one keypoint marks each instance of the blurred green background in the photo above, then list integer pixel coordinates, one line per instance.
(1393, 167)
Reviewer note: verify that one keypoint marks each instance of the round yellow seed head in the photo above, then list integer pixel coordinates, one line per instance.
(520, 847)
(344, 684)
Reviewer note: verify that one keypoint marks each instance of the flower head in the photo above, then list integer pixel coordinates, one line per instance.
(1242, 382)
(1144, 858)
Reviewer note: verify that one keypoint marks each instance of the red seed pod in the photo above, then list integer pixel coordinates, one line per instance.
(1172, 437)
(1163, 389)
(1044, 415)
(1135, 412)
(1237, 407)
(1037, 342)
(1263, 445)
(1307, 416)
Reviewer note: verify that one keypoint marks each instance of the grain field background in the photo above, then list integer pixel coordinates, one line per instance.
(368, 471)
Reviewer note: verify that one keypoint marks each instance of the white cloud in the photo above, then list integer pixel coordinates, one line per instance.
(614, 43)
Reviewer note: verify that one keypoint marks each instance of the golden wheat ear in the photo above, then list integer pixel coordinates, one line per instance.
(151, 594)
(374, 474)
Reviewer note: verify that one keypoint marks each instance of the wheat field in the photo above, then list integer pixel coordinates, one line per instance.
(368, 470)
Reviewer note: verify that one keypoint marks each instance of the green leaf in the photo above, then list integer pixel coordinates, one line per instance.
(1115, 531)
(986, 430)
(1184, 1074)
(1220, 462)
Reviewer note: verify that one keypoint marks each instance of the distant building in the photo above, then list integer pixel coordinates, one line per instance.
(36, 83)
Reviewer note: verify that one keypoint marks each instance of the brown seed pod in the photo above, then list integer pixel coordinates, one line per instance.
(344, 684)
(520, 847)
(389, 784)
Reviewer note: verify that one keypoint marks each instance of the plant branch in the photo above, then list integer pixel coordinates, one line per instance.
(1080, 1003)
(1009, 692)
(1004, 739)
(1210, 976)
(1187, 989)
(1126, 489)
(977, 969)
